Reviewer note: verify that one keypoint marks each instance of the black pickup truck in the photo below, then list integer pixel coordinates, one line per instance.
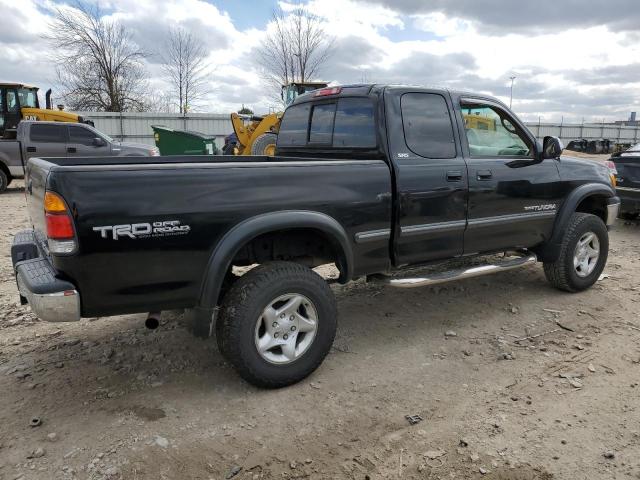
(371, 178)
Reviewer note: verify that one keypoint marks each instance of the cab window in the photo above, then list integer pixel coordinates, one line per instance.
(81, 135)
(293, 128)
(321, 129)
(48, 133)
(27, 98)
(428, 130)
(491, 132)
(347, 123)
(12, 101)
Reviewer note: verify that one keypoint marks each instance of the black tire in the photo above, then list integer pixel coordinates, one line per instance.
(561, 273)
(262, 142)
(243, 306)
(4, 181)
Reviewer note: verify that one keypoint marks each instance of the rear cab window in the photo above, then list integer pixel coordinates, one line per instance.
(47, 133)
(347, 122)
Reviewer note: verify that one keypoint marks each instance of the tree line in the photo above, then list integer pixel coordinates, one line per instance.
(100, 67)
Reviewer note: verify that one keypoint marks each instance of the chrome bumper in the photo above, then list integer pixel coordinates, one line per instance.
(50, 297)
(612, 212)
(63, 306)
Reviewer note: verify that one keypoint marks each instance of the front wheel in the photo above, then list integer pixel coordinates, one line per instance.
(278, 322)
(583, 254)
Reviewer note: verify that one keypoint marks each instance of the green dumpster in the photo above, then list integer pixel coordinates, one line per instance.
(183, 142)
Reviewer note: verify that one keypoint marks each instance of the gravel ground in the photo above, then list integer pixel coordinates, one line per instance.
(511, 378)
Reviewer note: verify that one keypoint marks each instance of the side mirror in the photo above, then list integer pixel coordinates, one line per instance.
(99, 142)
(552, 147)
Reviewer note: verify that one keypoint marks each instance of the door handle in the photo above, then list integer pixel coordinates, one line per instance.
(71, 149)
(31, 149)
(454, 176)
(484, 174)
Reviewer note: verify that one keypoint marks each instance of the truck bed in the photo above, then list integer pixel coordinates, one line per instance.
(209, 195)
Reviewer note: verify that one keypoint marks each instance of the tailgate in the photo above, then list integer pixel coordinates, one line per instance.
(35, 184)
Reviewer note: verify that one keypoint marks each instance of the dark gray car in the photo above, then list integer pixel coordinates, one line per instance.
(56, 139)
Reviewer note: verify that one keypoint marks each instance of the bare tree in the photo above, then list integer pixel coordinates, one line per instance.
(184, 60)
(296, 48)
(160, 101)
(98, 64)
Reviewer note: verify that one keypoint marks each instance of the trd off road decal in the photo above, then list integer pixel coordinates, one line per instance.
(143, 230)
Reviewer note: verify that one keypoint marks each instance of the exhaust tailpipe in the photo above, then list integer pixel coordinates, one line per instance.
(153, 320)
(47, 100)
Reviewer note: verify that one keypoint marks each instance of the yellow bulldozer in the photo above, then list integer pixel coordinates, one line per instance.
(257, 135)
(19, 101)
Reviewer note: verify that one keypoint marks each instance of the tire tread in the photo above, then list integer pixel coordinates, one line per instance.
(557, 272)
(236, 306)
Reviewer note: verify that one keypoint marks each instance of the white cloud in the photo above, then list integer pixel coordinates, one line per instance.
(571, 72)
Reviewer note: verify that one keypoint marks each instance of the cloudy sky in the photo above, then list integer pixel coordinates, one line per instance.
(577, 59)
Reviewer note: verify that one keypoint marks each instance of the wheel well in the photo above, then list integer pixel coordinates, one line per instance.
(308, 246)
(594, 204)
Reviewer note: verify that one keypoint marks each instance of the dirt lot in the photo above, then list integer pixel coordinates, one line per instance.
(513, 380)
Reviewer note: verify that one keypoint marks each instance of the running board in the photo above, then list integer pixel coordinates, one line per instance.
(459, 274)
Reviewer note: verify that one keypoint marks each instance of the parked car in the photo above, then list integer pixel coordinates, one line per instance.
(57, 139)
(374, 179)
(627, 172)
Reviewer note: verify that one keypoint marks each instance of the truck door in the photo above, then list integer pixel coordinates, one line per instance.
(45, 140)
(85, 142)
(431, 175)
(11, 109)
(513, 197)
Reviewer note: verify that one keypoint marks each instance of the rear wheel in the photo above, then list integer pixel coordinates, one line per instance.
(265, 144)
(277, 324)
(4, 181)
(583, 254)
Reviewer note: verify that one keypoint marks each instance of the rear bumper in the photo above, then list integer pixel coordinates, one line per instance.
(50, 298)
(630, 198)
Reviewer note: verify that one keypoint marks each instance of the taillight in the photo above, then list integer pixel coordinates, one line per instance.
(327, 91)
(611, 166)
(60, 233)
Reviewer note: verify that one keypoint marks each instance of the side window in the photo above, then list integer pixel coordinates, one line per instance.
(428, 130)
(490, 132)
(321, 128)
(293, 128)
(355, 124)
(82, 136)
(48, 133)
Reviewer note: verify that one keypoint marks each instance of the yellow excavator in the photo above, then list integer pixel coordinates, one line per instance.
(19, 101)
(257, 135)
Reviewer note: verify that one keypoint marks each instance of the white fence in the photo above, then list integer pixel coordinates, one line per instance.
(591, 131)
(136, 127)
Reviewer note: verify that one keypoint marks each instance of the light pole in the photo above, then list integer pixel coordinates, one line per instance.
(513, 77)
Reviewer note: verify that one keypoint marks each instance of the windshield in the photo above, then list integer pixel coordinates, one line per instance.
(28, 97)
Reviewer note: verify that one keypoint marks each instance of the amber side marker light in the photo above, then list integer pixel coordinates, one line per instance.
(60, 232)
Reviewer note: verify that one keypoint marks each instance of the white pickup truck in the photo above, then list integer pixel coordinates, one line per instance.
(58, 139)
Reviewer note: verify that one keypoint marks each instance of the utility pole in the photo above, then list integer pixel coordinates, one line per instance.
(513, 77)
